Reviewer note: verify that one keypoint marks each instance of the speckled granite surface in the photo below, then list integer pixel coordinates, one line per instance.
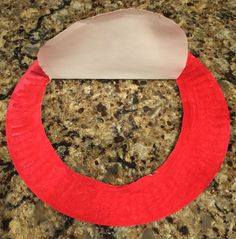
(115, 131)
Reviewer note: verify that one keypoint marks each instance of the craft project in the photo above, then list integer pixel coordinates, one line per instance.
(195, 160)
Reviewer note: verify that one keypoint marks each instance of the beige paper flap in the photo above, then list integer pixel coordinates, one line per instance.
(124, 44)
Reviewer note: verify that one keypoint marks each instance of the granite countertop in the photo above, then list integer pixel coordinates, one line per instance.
(115, 131)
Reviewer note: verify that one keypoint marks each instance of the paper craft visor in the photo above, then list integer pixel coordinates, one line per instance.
(130, 44)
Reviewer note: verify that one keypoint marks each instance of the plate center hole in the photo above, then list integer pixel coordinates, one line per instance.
(115, 131)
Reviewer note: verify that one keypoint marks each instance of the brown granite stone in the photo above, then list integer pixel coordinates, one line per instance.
(115, 131)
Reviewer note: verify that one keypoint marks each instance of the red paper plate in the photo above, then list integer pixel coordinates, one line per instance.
(191, 166)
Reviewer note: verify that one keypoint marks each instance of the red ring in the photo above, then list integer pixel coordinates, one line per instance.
(191, 166)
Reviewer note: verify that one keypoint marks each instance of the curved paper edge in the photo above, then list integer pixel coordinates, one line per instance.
(124, 44)
(193, 163)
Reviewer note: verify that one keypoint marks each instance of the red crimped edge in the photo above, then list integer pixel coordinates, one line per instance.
(195, 160)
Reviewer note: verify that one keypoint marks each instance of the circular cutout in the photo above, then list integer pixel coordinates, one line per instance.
(191, 166)
(112, 131)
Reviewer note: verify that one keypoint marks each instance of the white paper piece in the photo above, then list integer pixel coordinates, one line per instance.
(124, 44)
